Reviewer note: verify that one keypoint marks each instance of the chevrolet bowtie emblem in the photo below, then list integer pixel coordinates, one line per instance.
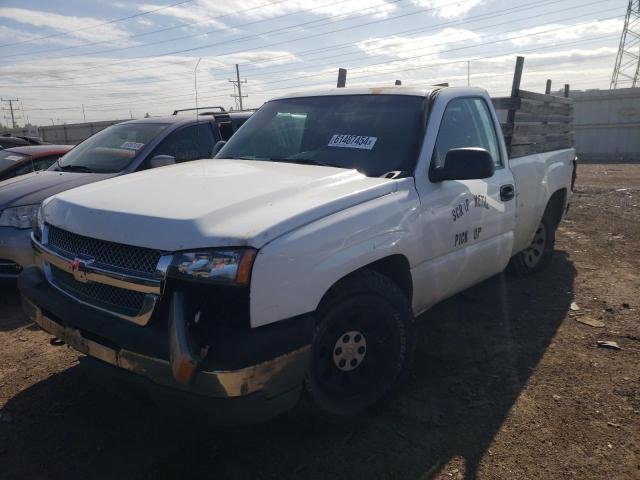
(79, 269)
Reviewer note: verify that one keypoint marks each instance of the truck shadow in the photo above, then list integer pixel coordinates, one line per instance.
(475, 355)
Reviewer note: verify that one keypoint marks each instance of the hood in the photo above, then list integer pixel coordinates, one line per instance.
(211, 203)
(33, 188)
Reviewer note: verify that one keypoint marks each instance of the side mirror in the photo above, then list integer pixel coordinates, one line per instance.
(464, 164)
(162, 161)
(217, 147)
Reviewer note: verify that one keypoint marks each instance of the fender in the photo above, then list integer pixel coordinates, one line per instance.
(292, 273)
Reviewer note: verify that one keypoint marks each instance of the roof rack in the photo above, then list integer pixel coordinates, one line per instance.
(222, 110)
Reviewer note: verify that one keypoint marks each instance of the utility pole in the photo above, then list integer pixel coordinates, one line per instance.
(237, 84)
(626, 72)
(13, 117)
(468, 73)
(84, 117)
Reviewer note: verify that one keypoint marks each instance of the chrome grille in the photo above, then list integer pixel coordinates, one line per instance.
(108, 254)
(119, 300)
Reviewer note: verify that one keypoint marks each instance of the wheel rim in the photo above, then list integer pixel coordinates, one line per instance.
(533, 254)
(349, 351)
(344, 367)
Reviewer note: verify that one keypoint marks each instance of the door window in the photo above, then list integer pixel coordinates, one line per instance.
(189, 143)
(466, 123)
(43, 163)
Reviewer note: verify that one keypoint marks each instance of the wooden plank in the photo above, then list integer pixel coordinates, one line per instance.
(536, 108)
(515, 88)
(541, 97)
(521, 139)
(506, 103)
(538, 129)
(528, 118)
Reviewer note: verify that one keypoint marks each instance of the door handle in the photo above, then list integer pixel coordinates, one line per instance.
(507, 192)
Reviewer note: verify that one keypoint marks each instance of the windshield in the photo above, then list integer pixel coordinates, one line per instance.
(110, 150)
(375, 134)
(10, 158)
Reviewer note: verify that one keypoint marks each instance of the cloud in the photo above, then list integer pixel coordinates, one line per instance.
(532, 36)
(9, 35)
(210, 12)
(65, 23)
(447, 9)
(405, 47)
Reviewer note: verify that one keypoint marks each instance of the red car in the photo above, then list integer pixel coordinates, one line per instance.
(20, 160)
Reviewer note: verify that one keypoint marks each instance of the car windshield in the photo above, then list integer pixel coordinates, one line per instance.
(110, 150)
(375, 134)
(10, 158)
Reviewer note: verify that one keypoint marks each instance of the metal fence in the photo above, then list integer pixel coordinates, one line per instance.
(607, 125)
(73, 134)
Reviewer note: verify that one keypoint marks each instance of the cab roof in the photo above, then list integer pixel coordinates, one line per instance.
(190, 118)
(373, 90)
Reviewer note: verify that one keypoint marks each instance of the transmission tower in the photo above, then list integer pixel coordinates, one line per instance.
(627, 69)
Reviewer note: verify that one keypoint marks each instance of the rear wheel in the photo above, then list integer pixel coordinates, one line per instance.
(362, 346)
(539, 254)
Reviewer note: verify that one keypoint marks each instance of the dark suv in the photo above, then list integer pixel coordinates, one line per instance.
(117, 150)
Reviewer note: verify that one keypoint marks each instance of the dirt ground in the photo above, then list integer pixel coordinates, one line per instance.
(508, 383)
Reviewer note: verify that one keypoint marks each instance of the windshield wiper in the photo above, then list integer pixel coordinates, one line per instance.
(75, 168)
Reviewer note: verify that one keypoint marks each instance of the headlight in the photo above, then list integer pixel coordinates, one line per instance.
(226, 267)
(19, 217)
(38, 224)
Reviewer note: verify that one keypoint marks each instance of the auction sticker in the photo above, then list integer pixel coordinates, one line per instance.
(132, 145)
(353, 141)
(13, 157)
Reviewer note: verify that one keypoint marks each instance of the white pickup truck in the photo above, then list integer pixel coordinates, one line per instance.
(297, 259)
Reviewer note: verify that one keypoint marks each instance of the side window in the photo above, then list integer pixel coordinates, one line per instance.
(488, 137)
(188, 143)
(43, 163)
(226, 130)
(26, 168)
(466, 123)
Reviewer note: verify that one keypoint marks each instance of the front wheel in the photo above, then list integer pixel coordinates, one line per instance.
(362, 346)
(538, 255)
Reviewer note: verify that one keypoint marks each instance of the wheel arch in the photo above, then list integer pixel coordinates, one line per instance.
(396, 267)
(555, 206)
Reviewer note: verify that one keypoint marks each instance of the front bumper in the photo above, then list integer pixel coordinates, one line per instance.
(15, 251)
(246, 394)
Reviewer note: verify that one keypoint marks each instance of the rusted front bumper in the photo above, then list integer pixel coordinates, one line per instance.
(264, 389)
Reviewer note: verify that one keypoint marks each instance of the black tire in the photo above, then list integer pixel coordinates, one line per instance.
(363, 344)
(538, 256)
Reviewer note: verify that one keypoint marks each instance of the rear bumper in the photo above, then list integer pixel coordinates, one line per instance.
(246, 394)
(15, 251)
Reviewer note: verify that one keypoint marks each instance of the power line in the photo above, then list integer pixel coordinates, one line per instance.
(257, 35)
(220, 30)
(350, 44)
(289, 88)
(160, 30)
(441, 51)
(109, 22)
(10, 101)
(333, 56)
(541, 3)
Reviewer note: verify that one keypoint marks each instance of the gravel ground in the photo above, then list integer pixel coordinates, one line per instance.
(508, 383)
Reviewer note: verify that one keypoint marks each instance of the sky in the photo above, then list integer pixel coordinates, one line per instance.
(72, 61)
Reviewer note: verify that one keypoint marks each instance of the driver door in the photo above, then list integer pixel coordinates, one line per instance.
(467, 225)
